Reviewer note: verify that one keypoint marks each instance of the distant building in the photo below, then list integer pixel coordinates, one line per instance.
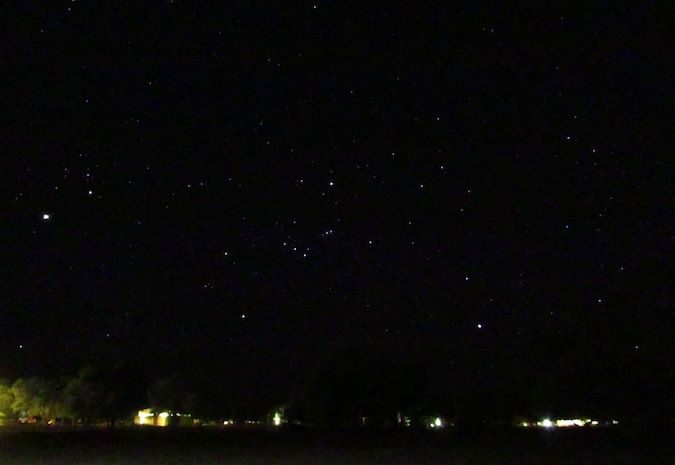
(153, 417)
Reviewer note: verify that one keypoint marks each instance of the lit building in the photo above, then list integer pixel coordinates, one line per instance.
(566, 423)
(152, 417)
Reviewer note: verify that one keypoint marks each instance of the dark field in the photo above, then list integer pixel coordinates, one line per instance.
(217, 446)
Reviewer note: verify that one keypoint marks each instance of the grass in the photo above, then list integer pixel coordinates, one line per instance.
(218, 446)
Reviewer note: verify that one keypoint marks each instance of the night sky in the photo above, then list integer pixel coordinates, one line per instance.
(239, 189)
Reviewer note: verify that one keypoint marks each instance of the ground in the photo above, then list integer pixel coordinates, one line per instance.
(218, 446)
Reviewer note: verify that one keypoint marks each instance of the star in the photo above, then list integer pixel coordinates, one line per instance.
(479, 326)
(46, 216)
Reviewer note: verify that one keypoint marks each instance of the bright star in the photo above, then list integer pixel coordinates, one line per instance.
(45, 216)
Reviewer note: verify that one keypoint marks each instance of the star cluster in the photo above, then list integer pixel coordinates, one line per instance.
(458, 182)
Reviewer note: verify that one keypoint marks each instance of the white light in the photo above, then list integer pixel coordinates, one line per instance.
(145, 417)
(277, 419)
(163, 414)
(45, 216)
(438, 422)
(479, 326)
(90, 192)
(546, 423)
(243, 316)
(594, 422)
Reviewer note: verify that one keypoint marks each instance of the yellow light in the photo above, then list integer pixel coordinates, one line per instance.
(564, 423)
(163, 414)
(524, 424)
(277, 419)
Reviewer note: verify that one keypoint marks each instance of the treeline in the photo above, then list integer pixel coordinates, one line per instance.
(587, 378)
(91, 395)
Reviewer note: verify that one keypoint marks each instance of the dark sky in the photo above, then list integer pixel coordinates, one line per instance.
(245, 186)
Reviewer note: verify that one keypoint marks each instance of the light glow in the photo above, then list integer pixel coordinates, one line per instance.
(564, 423)
(145, 417)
